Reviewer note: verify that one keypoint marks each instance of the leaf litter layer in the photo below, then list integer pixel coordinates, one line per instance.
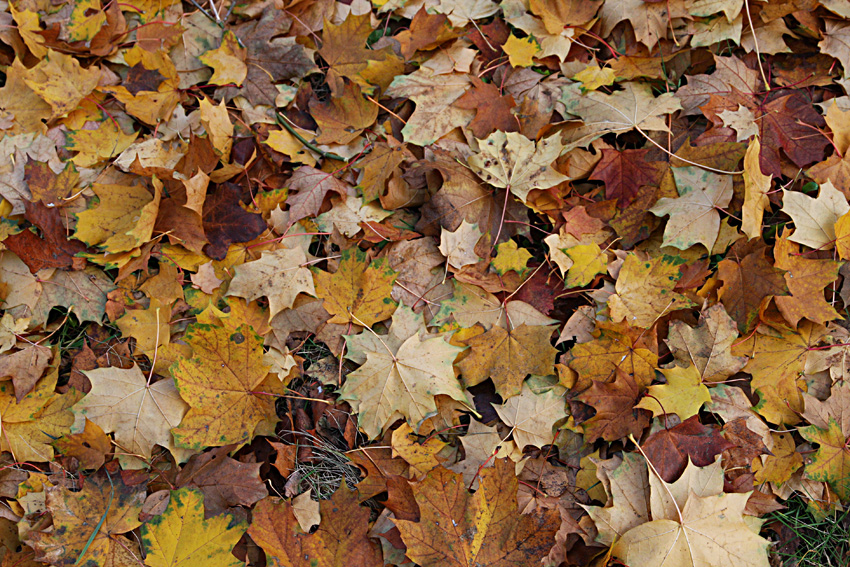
(454, 282)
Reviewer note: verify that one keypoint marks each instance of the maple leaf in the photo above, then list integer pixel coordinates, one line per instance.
(749, 281)
(632, 108)
(86, 523)
(513, 161)
(625, 172)
(815, 219)
(279, 275)
(341, 537)
(693, 216)
(756, 187)
(508, 356)
(830, 427)
(311, 185)
(224, 482)
(613, 351)
(707, 346)
(806, 280)
(221, 382)
(122, 220)
(500, 536)
(61, 81)
(786, 123)
(493, 109)
(776, 363)
(343, 118)
(269, 59)
(359, 291)
(343, 47)
(226, 222)
(435, 115)
(459, 246)
(683, 394)
(670, 450)
(31, 424)
(645, 291)
(532, 416)
(708, 530)
(140, 413)
(180, 536)
(616, 415)
(402, 383)
(510, 258)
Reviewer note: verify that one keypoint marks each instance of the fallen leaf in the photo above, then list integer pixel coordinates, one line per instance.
(501, 536)
(181, 536)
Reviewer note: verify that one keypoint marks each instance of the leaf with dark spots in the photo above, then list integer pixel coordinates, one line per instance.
(226, 222)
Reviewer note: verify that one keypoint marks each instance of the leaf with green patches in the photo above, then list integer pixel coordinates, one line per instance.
(223, 384)
(182, 537)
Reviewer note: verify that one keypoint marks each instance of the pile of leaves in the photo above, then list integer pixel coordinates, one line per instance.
(422, 282)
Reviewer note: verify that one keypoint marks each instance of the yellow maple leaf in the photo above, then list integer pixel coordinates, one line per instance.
(181, 537)
(683, 394)
(521, 52)
(221, 382)
(359, 291)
